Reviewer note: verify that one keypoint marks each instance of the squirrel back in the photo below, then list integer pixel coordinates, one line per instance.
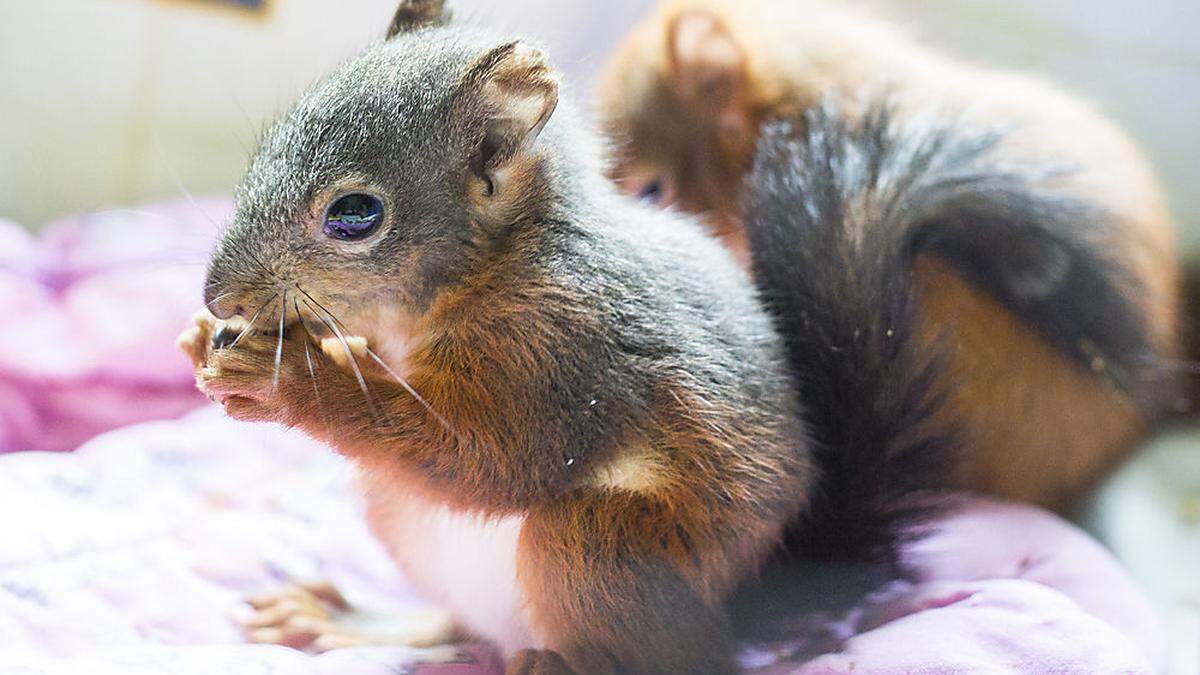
(1045, 411)
(838, 211)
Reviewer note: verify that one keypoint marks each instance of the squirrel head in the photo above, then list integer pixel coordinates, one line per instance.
(395, 175)
(680, 100)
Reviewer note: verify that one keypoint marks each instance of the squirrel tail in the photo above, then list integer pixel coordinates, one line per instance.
(837, 208)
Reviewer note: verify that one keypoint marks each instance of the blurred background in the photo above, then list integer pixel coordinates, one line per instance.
(116, 103)
(112, 102)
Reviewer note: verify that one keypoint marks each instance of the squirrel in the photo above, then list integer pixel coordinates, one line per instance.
(428, 270)
(575, 422)
(1059, 326)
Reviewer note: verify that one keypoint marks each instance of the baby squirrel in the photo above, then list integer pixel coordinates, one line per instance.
(1057, 322)
(580, 397)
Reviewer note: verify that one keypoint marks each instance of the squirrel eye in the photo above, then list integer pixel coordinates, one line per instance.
(353, 216)
(652, 191)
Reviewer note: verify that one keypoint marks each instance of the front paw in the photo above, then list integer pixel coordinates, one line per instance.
(248, 375)
(196, 340)
(242, 382)
(207, 333)
(538, 662)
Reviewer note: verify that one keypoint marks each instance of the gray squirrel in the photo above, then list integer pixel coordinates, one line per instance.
(574, 420)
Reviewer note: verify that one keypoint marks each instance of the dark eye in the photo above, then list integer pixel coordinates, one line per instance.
(354, 216)
(652, 191)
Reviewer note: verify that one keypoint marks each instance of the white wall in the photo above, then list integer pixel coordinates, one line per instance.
(115, 101)
(1138, 59)
(108, 102)
(112, 101)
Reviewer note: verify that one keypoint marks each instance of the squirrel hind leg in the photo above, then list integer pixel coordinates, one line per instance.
(317, 618)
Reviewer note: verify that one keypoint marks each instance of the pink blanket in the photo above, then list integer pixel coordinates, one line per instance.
(93, 307)
(146, 539)
(131, 554)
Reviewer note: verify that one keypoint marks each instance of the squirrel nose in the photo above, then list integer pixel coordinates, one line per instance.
(223, 305)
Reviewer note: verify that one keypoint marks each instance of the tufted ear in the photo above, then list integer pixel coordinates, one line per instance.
(517, 92)
(707, 64)
(414, 14)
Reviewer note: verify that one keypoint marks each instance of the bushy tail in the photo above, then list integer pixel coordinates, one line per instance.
(837, 208)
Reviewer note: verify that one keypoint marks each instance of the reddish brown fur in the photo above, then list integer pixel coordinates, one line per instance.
(1027, 404)
(794, 53)
(628, 411)
(602, 569)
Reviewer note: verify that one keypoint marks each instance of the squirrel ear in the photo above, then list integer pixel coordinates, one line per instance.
(706, 61)
(519, 93)
(414, 14)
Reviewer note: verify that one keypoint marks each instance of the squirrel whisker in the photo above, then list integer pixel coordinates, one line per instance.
(403, 382)
(409, 388)
(312, 373)
(253, 319)
(217, 299)
(279, 341)
(362, 383)
(323, 308)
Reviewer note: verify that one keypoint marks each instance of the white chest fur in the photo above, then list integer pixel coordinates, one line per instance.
(465, 563)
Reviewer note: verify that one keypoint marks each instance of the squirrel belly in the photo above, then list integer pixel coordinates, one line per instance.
(465, 562)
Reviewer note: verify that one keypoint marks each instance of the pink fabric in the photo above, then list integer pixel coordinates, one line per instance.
(93, 306)
(129, 555)
(146, 539)
(1003, 588)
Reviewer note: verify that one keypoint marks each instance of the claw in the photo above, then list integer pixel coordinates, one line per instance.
(224, 337)
(318, 618)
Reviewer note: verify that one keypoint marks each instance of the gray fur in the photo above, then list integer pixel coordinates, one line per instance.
(623, 328)
(388, 116)
(669, 302)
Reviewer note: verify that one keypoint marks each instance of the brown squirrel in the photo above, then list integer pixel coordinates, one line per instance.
(428, 270)
(1057, 332)
(575, 422)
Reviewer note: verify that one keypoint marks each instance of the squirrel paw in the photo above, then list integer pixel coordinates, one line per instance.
(354, 348)
(195, 340)
(239, 372)
(538, 662)
(316, 617)
(207, 333)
